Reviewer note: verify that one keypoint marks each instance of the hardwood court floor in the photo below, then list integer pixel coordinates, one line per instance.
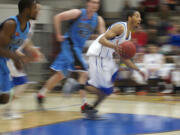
(60, 109)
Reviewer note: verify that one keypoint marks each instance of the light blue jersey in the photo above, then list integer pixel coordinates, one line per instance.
(70, 57)
(17, 40)
(82, 28)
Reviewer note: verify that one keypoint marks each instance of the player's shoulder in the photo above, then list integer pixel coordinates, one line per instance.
(74, 11)
(80, 11)
(100, 17)
(9, 24)
(119, 26)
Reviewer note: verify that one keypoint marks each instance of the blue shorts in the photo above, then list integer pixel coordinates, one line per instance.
(6, 83)
(19, 80)
(69, 59)
(107, 91)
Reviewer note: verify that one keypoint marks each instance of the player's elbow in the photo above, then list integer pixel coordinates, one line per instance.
(102, 40)
(57, 17)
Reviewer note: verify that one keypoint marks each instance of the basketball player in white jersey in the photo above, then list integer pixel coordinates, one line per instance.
(102, 67)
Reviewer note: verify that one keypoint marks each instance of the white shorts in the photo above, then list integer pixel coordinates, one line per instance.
(18, 77)
(102, 72)
(13, 71)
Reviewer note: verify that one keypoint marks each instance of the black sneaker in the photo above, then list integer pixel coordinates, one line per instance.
(86, 107)
(40, 100)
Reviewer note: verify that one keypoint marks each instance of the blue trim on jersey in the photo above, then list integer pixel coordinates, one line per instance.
(107, 53)
(120, 36)
(20, 80)
(114, 76)
(101, 50)
(116, 37)
(96, 61)
(101, 62)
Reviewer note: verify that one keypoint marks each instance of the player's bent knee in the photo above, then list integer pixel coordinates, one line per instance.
(4, 98)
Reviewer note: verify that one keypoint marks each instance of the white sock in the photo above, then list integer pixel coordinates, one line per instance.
(84, 101)
(43, 91)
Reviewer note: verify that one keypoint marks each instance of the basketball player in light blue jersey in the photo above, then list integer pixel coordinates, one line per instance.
(86, 21)
(19, 77)
(102, 66)
(13, 32)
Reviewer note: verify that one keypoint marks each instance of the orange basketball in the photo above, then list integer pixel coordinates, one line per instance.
(128, 49)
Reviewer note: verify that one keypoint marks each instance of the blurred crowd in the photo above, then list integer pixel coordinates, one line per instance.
(158, 49)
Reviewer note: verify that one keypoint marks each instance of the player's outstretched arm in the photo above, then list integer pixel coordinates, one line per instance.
(130, 64)
(64, 16)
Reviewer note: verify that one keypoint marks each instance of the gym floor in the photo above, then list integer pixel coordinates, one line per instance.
(121, 115)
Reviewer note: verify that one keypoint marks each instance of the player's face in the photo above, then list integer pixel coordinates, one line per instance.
(34, 11)
(136, 19)
(93, 5)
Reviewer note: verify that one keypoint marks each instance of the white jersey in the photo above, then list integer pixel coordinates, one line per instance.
(97, 49)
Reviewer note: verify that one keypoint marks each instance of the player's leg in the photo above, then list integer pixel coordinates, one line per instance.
(49, 85)
(5, 87)
(60, 67)
(19, 79)
(83, 76)
(79, 66)
(101, 73)
(7, 96)
(100, 95)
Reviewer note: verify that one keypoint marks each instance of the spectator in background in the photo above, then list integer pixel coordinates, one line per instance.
(151, 30)
(141, 84)
(174, 37)
(164, 14)
(175, 74)
(153, 62)
(172, 4)
(141, 9)
(126, 8)
(151, 5)
(140, 37)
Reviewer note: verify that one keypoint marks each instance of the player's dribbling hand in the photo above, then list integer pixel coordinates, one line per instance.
(118, 49)
(38, 56)
(142, 74)
(23, 57)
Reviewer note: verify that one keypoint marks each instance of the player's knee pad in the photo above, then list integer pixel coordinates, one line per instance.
(4, 98)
